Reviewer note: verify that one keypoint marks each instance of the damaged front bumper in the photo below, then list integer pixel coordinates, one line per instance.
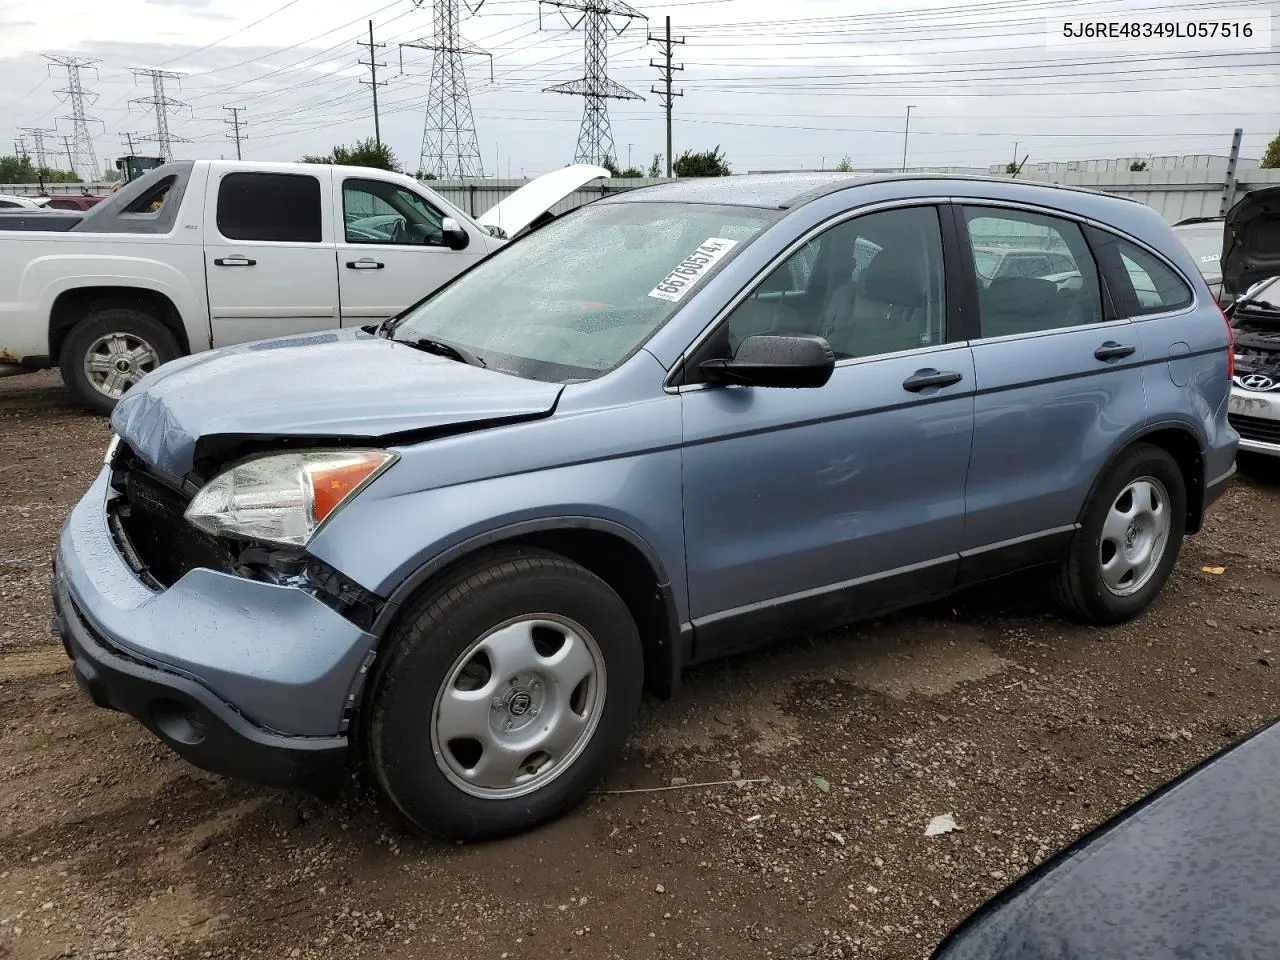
(243, 678)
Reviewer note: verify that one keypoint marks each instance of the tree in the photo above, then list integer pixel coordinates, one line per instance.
(709, 163)
(1271, 159)
(1137, 166)
(365, 153)
(655, 168)
(845, 165)
(21, 170)
(630, 173)
(1010, 168)
(423, 175)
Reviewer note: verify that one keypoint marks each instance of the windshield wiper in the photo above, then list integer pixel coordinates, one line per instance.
(440, 348)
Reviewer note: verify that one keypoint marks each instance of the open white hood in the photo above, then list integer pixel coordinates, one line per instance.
(538, 196)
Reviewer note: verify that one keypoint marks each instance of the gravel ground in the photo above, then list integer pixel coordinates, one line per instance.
(1028, 729)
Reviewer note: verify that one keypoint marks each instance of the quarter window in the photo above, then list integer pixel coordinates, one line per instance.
(869, 286)
(1034, 273)
(1140, 282)
(283, 207)
(375, 211)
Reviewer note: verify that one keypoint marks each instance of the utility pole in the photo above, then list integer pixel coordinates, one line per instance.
(450, 148)
(373, 82)
(234, 123)
(66, 142)
(74, 95)
(161, 105)
(595, 136)
(20, 148)
(906, 130)
(1228, 198)
(128, 137)
(667, 96)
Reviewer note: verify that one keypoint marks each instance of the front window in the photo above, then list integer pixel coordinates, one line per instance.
(577, 297)
(376, 211)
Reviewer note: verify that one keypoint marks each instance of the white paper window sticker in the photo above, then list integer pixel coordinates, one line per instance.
(681, 280)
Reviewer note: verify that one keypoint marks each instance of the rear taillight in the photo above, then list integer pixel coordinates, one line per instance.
(1231, 345)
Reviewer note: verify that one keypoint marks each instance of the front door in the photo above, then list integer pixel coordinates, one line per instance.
(1059, 380)
(814, 505)
(391, 250)
(269, 261)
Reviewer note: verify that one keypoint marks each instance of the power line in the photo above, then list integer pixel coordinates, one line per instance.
(161, 105)
(666, 97)
(234, 124)
(449, 145)
(373, 82)
(80, 153)
(595, 137)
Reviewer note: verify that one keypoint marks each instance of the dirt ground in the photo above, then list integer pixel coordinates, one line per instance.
(1026, 728)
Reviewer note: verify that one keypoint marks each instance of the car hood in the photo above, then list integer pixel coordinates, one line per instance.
(538, 196)
(1251, 241)
(339, 386)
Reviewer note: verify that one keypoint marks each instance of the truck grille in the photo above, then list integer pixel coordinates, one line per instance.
(1256, 428)
(150, 527)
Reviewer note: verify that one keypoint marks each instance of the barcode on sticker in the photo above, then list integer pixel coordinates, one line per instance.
(681, 280)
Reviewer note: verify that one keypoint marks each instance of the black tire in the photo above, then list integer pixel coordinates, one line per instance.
(1079, 584)
(424, 648)
(105, 320)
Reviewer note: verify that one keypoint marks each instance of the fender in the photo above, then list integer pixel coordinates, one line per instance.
(1195, 490)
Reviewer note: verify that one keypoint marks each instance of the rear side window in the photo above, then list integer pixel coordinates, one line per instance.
(1034, 273)
(1140, 282)
(283, 207)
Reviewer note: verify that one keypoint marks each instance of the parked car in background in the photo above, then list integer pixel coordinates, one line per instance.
(1255, 393)
(201, 254)
(10, 202)
(1203, 237)
(1191, 870)
(1251, 248)
(666, 426)
(996, 263)
(72, 201)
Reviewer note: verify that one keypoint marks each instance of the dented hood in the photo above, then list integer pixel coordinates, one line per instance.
(1251, 241)
(538, 196)
(343, 385)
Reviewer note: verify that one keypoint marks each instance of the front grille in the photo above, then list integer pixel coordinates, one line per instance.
(1256, 428)
(156, 536)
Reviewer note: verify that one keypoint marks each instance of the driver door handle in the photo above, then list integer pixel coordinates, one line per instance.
(365, 263)
(922, 379)
(234, 262)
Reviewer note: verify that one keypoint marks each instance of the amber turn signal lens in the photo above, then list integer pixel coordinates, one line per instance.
(333, 483)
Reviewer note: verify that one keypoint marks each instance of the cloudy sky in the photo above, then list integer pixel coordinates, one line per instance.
(775, 90)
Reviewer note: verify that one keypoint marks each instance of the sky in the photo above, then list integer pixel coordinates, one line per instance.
(798, 89)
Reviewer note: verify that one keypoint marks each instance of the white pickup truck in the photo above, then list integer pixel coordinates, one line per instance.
(201, 254)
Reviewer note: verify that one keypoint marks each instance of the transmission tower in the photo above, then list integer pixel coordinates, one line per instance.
(81, 156)
(595, 138)
(161, 105)
(449, 146)
(37, 137)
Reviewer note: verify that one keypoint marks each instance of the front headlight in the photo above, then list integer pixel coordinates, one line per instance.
(284, 498)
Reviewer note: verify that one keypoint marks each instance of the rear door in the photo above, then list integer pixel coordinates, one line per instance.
(391, 250)
(269, 254)
(1058, 381)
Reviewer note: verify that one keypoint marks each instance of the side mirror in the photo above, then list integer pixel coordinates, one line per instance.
(768, 361)
(455, 237)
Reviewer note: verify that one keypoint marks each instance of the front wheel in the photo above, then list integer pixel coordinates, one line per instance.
(506, 694)
(1129, 540)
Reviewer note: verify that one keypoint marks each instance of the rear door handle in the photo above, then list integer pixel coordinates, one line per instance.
(234, 262)
(365, 263)
(1114, 351)
(922, 379)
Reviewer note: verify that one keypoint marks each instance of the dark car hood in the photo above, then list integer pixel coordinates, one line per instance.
(343, 385)
(1251, 241)
(1191, 871)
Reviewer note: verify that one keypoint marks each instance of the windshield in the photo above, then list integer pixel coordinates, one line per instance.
(577, 297)
(1204, 243)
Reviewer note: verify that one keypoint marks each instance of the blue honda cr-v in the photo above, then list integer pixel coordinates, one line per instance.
(664, 427)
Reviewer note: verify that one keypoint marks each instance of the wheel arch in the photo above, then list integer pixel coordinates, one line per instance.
(610, 550)
(72, 306)
(1181, 441)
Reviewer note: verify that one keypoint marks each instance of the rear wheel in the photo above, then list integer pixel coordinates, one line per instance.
(506, 694)
(1129, 541)
(110, 350)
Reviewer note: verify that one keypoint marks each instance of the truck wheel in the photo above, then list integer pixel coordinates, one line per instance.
(110, 350)
(1129, 541)
(506, 694)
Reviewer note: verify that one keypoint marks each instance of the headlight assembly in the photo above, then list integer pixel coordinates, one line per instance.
(284, 498)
